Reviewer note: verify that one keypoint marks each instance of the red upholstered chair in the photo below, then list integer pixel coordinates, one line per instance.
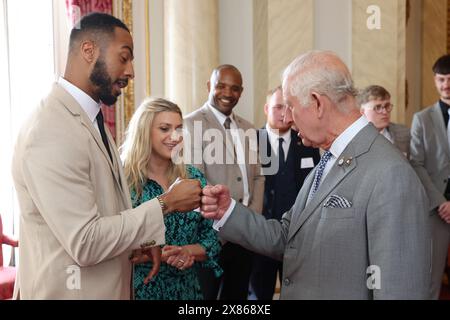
(7, 274)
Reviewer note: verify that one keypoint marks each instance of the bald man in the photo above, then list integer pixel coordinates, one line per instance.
(234, 162)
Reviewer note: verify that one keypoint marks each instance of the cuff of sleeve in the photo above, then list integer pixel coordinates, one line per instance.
(158, 229)
(219, 223)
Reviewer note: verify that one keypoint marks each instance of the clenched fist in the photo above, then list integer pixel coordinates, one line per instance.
(183, 195)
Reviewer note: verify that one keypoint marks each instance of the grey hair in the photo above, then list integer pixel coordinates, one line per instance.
(318, 75)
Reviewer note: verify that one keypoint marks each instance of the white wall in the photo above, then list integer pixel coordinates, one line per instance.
(156, 8)
(236, 47)
(333, 27)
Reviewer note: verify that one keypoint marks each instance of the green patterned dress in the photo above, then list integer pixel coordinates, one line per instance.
(181, 229)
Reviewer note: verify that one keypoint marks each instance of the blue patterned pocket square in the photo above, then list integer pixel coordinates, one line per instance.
(335, 201)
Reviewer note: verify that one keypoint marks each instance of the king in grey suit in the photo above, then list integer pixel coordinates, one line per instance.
(430, 157)
(358, 228)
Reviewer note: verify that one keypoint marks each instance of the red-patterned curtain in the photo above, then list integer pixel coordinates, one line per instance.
(75, 10)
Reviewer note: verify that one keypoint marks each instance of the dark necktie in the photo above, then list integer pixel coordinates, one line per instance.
(101, 128)
(281, 157)
(226, 125)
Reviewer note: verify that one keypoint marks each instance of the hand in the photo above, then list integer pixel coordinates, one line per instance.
(179, 257)
(444, 211)
(144, 255)
(215, 201)
(183, 195)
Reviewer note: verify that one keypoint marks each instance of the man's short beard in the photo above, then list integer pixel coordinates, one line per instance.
(102, 80)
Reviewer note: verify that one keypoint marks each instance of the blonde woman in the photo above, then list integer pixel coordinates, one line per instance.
(154, 135)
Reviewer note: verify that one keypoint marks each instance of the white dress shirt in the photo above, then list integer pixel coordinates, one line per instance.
(385, 132)
(336, 150)
(239, 150)
(84, 100)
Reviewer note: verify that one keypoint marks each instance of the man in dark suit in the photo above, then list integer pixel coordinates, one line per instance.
(281, 154)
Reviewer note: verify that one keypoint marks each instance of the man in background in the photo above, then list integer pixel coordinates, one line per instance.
(242, 176)
(430, 157)
(375, 102)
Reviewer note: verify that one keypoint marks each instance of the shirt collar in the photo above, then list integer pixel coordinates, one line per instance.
(347, 136)
(220, 116)
(385, 132)
(84, 100)
(274, 137)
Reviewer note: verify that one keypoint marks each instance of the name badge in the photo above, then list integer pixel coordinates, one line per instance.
(307, 163)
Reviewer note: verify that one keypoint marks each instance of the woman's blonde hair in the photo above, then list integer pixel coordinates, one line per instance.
(137, 147)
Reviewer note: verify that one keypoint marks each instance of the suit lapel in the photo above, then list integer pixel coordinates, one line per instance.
(72, 105)
(117, 169)
(359, 145)
(441, 132)
(333, 178)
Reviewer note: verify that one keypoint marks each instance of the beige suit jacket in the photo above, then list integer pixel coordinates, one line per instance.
(220, 173)
(77, 228)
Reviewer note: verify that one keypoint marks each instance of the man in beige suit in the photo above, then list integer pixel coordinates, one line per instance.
(238, 168)
(77, 228)
(375, 102)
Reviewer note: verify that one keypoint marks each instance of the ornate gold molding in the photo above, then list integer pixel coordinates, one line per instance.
(127, 17)
(123, 10)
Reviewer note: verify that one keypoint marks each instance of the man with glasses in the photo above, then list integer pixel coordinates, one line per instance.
(430, 156)
(375, 102)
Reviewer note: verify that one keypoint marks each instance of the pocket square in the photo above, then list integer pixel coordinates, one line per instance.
(335, 201)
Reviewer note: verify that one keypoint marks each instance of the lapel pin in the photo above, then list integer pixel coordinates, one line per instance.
(341, 162)
(348, 161)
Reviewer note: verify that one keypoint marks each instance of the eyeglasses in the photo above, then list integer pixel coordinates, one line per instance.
(378, 108)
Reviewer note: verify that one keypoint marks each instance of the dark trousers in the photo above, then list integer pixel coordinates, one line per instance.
(236, 262)
(209, 283)
(264, 276)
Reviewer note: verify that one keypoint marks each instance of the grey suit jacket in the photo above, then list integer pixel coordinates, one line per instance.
(227, 174)
(77, 228)
(326, 251)
(401, 136)
(430, 152)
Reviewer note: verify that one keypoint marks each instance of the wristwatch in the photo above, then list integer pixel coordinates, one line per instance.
(162, 203)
